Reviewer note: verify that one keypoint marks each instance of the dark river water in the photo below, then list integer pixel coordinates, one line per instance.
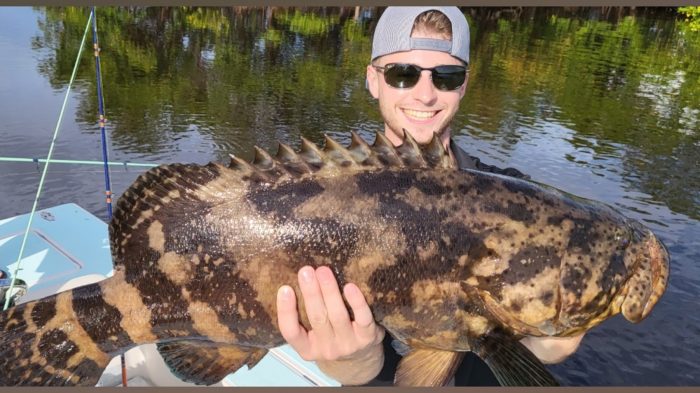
(604, 104)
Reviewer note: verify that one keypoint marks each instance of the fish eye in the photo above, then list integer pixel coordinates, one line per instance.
(623, 241)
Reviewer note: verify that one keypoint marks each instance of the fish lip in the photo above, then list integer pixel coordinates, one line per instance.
(660, 266)
(636, 305)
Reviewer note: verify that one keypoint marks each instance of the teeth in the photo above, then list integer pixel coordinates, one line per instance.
(419, 114)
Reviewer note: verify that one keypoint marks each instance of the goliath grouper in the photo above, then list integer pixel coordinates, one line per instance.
(449, 261)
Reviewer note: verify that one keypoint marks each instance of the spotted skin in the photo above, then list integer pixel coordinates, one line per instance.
(443, 257)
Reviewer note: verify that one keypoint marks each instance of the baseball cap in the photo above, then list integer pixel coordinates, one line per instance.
(393, 33)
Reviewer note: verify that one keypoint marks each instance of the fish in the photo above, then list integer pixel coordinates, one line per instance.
(449, 261)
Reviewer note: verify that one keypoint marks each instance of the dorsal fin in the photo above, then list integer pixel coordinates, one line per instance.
(247, 169)
(311, 154)
(362, 152)
(435, 153)
(338, 153)
(262, 160)
(386, 152)
(334, 157)
(291, 161)
(410, 152)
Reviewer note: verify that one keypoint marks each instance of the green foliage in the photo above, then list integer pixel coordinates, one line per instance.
(306, 23)
(355, 32)
(692, 16)
(208, 19)
(273, 36)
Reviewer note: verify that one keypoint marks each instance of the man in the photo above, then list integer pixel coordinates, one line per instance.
(418, 74)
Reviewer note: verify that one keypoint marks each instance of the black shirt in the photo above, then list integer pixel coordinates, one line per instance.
(465, 161)
(472, 371)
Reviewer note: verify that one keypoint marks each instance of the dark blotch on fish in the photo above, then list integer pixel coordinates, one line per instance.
(100, 320)
(582, 236)
(335, 247)
(529, 262)
(513, 210)
(55, 345)
(282, 199)
(43, 312)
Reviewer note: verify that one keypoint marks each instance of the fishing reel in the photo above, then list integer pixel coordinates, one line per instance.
(18, 290)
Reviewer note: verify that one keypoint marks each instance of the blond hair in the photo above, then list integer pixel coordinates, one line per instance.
(433, 23)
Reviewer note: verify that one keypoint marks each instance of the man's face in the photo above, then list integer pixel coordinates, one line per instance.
(422, 109)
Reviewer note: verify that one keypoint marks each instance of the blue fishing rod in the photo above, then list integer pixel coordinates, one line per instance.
(100, 99)
(105, 156)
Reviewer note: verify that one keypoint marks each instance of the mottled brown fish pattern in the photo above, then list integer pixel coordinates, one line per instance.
(449, 260)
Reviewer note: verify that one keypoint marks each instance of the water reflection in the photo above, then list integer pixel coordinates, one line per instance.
(601, 102)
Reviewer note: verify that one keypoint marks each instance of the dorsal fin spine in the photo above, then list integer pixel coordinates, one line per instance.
(311, 154)
(338, 153)
(435, 153)
(286, 153)
(334, 156)
(361, 152)
(262, 159)
(410, 152)
(385, 150)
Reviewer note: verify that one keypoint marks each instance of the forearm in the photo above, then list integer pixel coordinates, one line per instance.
(357, 370)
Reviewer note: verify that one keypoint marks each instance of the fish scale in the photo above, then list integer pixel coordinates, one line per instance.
(449, 261)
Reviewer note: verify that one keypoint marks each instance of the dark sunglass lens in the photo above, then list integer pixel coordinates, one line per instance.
(449, 77)
(401, 76)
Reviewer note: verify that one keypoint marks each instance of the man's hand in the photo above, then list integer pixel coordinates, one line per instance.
(349, 351)
(552, 349)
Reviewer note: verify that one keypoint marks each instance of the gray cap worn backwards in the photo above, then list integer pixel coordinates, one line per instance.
(393, 33)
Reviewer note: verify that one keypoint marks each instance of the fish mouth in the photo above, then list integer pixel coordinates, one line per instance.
(648, 283)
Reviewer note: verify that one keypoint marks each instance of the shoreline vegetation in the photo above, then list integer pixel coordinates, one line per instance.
(609, 13)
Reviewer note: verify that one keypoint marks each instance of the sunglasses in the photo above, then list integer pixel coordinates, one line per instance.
(405, 76)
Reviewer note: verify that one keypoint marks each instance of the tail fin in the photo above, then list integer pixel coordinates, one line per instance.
(43, 343)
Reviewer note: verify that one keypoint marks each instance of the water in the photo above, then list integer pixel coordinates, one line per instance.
(605, 106)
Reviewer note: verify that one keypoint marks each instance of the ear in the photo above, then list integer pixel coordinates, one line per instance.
(372, 81)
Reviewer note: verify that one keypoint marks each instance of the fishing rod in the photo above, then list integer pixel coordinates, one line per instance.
(100, 100)
(103, 134)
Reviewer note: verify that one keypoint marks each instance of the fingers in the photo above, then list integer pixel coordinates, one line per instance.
(332, 334)
(288, 319)
(335, 306)
(364, 326)
(316, 309)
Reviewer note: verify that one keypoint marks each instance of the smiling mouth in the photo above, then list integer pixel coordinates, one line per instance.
(419, 115)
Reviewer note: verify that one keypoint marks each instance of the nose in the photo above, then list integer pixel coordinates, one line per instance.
(425, 91)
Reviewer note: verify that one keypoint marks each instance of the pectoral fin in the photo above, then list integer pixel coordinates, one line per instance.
(511, 362)
(205, 362)
(427, 367)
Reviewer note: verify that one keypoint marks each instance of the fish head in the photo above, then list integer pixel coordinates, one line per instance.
(633, 274)
(648, 261)
(607, 264)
